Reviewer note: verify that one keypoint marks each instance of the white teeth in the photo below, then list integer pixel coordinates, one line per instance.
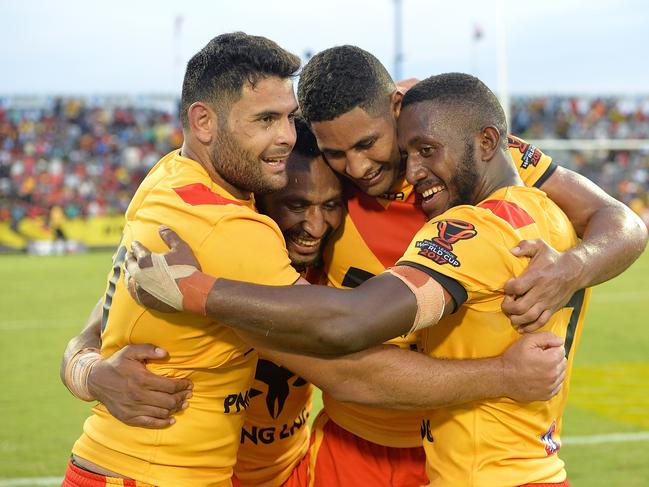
(372, 176)
(432, 191)
(274, 160)
(306, 243)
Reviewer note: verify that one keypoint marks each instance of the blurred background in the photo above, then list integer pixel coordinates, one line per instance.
(88, 104)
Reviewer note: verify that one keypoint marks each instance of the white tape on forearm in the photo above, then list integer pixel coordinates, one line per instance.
(160, 279)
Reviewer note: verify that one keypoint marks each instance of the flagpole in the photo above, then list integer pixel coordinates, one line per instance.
(503, 73)
(398, 46)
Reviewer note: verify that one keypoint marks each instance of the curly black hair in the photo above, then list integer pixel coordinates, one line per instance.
(340, 79)
(216, 73)
(474, 105)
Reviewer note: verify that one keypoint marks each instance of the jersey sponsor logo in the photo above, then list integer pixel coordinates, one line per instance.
(440, 248)
(551, 445)
(276, 378)
(426, 433)
(270, 434)
(235, 403)
(529, 153)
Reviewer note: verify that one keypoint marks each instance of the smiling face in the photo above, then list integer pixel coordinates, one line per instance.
(254, 139)
(441, 161)
(362, 148)
(307, 210)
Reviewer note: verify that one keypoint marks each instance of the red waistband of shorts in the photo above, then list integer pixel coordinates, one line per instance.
(76, 476)
(565, 483)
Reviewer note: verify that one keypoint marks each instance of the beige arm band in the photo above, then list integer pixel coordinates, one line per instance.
(428, 293)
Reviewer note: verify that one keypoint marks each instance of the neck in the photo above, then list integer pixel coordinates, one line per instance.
(500, 173)
(201, 155)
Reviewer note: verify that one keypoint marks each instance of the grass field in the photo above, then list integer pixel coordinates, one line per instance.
(44, 301)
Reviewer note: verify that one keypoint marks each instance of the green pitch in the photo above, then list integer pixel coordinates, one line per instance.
(45, 300)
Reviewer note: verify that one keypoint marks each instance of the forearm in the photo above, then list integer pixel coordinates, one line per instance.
(315, 319)
(613, 236)
(612, 240)
(90, 337)
(390, 377)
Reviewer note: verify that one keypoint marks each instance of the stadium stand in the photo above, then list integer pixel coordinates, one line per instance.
(74, 163)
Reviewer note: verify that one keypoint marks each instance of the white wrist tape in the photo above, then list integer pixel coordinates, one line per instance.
(77, 371)
(428, 293)
(160, 279)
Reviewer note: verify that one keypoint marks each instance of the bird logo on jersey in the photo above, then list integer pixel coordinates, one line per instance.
(551, 445)
(277, 380)
(440, 248)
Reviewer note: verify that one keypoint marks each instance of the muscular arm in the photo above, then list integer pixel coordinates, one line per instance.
(316, 319)
(389, 377)
(122, 382)
(90, 337)
(613, 237)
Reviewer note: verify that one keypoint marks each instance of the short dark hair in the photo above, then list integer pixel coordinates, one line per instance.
(340, 79)
(217, 72)
(306, 144)
(474, 105)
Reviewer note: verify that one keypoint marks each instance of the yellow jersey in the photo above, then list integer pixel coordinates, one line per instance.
(375, 234)
(467, 250)
(229, 239)
(275, 433)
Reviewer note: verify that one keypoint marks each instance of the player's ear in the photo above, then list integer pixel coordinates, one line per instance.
(202, 121)
(489, 143)
(395, 103)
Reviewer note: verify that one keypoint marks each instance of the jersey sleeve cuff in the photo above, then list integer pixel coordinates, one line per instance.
(546, 175)
(453, 287)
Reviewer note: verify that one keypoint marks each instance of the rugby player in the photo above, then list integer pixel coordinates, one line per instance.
(237, 112)
(275, 434)
(352, 104)
(449, 283)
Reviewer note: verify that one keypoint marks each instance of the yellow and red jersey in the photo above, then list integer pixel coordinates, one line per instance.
(375, 234)
(275, 433)
(467, 250)
(229, 239)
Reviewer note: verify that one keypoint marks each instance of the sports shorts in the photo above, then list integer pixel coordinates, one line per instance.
(342, 459)
(299, 476)
(79, 477)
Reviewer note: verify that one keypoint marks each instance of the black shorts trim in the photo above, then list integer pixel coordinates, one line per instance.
(454, 288)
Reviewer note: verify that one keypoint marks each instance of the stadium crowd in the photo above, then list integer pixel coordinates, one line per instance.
(87, 158)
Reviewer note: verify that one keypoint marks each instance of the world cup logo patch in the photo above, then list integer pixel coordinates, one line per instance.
(439, 249)
(529, 153)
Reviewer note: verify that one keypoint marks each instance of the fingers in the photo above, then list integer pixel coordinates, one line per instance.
(518, 286)
(143, 352)
(537, 324)
(165, 384)
(149, 402)
(528, 248)
(170, 237)
(149, 422)
(545, 340)
(139, 250)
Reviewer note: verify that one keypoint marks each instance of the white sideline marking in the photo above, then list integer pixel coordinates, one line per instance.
(567, 440)
(608, 438)
(31, 482)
